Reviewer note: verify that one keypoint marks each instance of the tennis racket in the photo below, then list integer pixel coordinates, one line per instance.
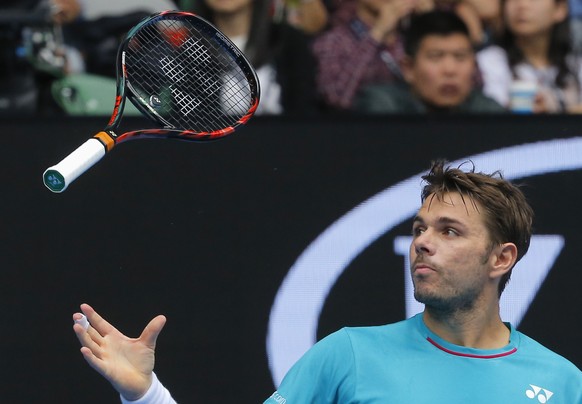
(183, 74)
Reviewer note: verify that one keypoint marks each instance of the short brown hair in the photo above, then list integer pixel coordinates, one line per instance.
(508, 215)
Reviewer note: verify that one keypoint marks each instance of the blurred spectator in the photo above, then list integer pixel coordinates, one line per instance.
(102, 27)
(278, 51)
(98, 33)
(362, 47)
(34, 52)
(482, 17)
(44, 42)
(535, 48)
(438, 68)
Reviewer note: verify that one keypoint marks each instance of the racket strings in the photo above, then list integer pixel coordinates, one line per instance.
(184, 78)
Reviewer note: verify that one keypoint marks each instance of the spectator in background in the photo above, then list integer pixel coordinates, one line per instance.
(33, 53)
(481, 16)
(535, 48)
(439, 69)
(102, 27)
(59, 56)
(362, 48)
(279, 52)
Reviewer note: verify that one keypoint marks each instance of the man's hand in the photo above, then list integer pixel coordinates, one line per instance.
(384, 15)
(65, 11)
(127, 363)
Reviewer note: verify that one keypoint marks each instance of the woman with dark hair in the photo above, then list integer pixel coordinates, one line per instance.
(535, 48)
(280, 53)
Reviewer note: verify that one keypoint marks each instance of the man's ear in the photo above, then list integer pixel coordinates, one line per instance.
(503, 259)
(407, 65)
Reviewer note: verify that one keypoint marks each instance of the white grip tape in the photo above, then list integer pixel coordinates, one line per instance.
(73, 165)
(83, 321)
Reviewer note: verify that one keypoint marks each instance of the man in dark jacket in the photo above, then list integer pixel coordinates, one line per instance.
(439, 71)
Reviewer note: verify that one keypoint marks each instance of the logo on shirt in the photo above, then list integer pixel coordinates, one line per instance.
(278, 398)
(541, 394)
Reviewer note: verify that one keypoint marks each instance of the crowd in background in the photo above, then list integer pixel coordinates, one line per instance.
(319, 56)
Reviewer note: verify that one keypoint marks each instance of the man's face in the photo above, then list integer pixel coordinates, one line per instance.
(450, 253)
(441, 73)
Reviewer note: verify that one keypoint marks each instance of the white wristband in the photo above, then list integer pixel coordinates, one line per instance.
(156, 394)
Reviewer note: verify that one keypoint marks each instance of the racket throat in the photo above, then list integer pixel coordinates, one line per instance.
(107, 139)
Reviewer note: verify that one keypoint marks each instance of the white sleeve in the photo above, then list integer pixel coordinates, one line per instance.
(156, 394)
(497, 77)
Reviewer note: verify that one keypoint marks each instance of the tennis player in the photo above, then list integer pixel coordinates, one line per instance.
(469, 233)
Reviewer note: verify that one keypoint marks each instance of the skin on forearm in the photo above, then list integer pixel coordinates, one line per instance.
(383, 17)
(487, 9)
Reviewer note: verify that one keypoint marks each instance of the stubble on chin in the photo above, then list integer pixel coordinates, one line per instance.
(440, 300)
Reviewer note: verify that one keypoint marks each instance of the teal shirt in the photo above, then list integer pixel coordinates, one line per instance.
(406, 363)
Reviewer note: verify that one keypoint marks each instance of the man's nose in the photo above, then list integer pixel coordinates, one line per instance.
(449, 65)
(423, 243)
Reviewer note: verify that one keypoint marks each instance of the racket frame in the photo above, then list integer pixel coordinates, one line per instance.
(58, 177)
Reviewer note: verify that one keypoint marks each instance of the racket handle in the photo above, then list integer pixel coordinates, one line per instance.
(58, 177)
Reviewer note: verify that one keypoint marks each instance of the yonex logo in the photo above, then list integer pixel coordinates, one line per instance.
(278, 398)
(54, 180)
(541, 394)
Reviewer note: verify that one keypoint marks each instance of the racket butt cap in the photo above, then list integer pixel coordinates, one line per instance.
(58, 177)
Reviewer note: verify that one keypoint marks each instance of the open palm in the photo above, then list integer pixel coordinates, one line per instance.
(126, 362)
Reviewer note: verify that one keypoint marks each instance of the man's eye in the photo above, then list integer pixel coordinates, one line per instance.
(451, 232)
(461, 57)
(435, 57)
(417, 231)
